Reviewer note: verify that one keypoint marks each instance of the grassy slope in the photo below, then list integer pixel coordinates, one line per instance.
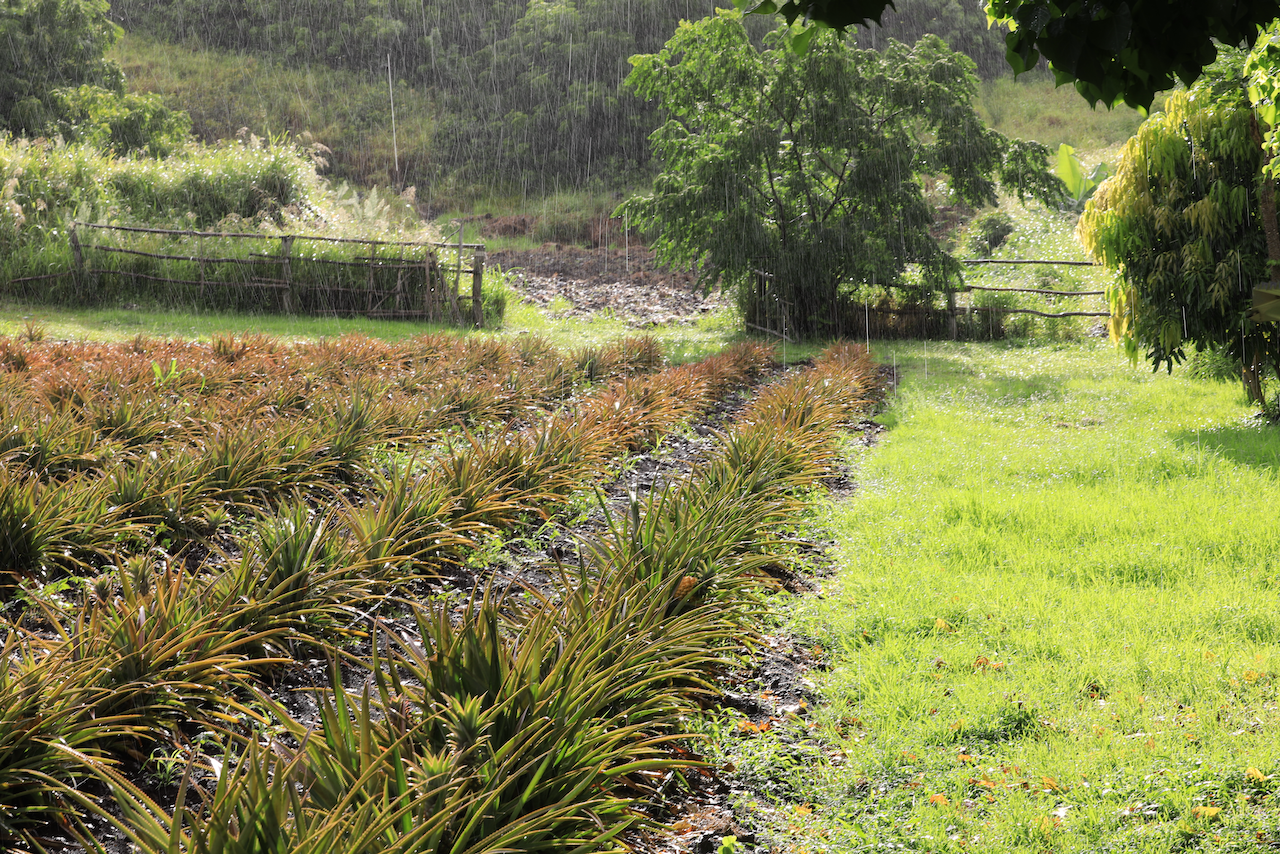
(1033, 108)
(1055, 627)
(348, 112)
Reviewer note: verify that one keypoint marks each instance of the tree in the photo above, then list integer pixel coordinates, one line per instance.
(962, 24)
(50, 45)
(1185, 220)
(789, 176)
(1112, 50)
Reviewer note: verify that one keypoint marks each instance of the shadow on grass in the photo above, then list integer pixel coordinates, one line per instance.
(1252, 444)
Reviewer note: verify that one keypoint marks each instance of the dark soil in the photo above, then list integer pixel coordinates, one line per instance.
(573, 281)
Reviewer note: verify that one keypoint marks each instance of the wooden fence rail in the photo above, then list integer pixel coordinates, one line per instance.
(409, 279)
(924, 321)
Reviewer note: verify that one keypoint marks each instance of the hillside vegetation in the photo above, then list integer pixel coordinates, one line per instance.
(529, 94)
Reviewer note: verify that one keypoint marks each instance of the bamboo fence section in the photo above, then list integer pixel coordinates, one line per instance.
(297, 274)
(922, 321)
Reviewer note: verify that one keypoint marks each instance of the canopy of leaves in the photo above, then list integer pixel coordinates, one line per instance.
(787, 175)
(1181, 219)
(1112, 50)
(50, 45)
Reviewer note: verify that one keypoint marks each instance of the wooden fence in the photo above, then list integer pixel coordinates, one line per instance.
(925, 321)
(952, 310)
(302, 274)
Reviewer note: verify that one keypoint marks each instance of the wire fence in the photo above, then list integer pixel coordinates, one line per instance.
(929, 321)
(290, 273)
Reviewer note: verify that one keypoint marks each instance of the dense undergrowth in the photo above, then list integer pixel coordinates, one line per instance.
(190, 529)
(263, 188)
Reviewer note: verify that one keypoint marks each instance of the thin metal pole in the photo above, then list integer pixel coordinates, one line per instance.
(395, 146)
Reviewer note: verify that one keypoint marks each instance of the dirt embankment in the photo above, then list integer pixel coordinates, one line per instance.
(571, 280)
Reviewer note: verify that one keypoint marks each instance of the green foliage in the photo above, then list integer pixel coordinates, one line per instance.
(988, 232)
(786, 175)
(1213, 364)
(1181, 218)
(120, 124)
(962, 24)
(51, 45)
(1111, 50)
(1080, 187)
(1114, 52)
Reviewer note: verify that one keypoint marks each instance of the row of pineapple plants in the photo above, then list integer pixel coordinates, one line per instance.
(498, 725)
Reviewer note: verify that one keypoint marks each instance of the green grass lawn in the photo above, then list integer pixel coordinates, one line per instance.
(701, 337)
(1055, 623)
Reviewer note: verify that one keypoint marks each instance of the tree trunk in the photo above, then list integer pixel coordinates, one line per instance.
(1252, 365)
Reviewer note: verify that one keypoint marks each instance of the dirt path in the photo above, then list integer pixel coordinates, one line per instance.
(573, 281)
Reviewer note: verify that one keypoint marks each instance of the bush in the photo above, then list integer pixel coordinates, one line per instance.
(120, 124)
(1213, 363)
(989, 231)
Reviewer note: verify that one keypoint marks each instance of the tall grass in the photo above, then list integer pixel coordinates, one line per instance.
(348, 112)
(267, 187)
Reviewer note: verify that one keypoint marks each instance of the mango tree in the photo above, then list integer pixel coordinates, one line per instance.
(1112, 50)
(1185, 221)
(790, 176)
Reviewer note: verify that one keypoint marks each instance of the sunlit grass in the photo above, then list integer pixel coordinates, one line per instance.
(347, 111)
(707, 334)
(1055, 623)
(1034, 108)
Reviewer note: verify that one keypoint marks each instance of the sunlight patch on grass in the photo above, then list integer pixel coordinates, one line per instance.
(1055, 625)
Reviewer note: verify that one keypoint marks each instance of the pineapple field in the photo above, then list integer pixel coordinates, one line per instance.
(445, 594)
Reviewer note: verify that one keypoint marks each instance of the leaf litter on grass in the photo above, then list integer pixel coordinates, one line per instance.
(1121, 576)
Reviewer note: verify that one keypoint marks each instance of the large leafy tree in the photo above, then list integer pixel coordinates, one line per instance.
(1186, 220)
(1111, 49)
(789, 175)
(47, 46)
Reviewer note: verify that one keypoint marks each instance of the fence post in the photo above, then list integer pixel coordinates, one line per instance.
(286, 252)
(457, 283)
(429, 289)
(477, 294)
(79, 258)
(951, 312)
(368, 302)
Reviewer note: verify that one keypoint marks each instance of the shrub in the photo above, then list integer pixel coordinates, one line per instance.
(989, 231)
